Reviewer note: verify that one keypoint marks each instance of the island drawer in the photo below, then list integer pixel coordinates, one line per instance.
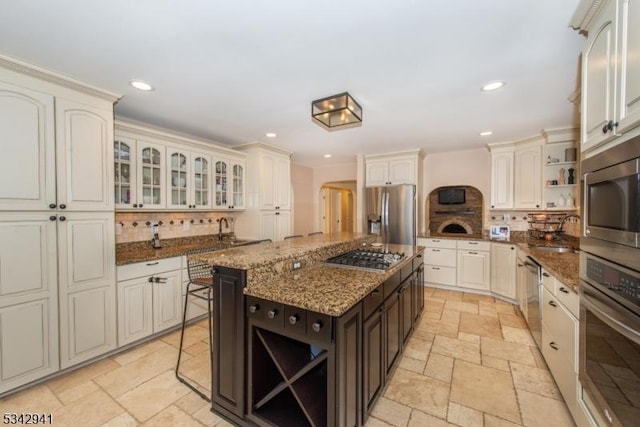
(391, 284)
(266, 312)
(371, 302)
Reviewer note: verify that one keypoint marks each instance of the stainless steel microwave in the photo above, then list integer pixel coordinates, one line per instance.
(612, 194)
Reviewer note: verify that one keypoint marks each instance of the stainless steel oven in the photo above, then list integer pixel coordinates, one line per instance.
(609, 366)
(612, 194)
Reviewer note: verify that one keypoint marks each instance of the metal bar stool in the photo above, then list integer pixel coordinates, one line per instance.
(315, 233)
(294, 236)
(200, 279)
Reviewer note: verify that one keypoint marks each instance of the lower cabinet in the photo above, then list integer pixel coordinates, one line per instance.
(503, 270)
(474, 269)
(149, 298)
(276, 224)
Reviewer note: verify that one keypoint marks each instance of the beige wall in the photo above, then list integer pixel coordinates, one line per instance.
(303, 199)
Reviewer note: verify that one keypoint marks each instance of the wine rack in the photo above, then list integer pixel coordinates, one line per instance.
(288, 380)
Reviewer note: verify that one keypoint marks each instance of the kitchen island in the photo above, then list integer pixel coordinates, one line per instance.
(310, 346)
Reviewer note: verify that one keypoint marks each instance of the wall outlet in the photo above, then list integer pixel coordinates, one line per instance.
(506, 217)
(185, 226)
(297, 265)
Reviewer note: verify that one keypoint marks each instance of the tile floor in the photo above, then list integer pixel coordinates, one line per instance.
(470, 362)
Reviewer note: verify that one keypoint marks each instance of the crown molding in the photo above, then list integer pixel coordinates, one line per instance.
(584, 14)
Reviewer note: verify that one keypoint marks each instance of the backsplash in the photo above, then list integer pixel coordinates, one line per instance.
(518, 221)
(136, 226)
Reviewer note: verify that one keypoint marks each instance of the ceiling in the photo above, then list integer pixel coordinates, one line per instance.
(233, 70)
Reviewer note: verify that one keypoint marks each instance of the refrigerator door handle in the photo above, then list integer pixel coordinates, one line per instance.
(385, 217)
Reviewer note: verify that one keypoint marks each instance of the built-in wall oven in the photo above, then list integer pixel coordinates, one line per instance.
(609, 365)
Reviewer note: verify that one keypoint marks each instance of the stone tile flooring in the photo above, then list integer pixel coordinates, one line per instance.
(470, 362)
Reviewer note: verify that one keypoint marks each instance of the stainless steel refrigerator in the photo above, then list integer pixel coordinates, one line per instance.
(390, 212)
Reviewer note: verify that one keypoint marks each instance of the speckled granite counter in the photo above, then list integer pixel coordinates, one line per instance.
(128, 253)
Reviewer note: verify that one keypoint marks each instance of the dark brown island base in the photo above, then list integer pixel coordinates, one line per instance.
(313, 346)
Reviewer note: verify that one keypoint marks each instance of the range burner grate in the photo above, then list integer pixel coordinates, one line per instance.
(371, 260)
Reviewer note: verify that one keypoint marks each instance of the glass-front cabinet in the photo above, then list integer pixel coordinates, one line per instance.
(178, 163)
(201, 180)
(229, 183)
(124, 177)
(150, 175)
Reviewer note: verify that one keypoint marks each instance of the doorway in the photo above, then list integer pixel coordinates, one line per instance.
(337, 206)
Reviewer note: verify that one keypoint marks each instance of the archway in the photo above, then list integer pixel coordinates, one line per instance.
(338, 206)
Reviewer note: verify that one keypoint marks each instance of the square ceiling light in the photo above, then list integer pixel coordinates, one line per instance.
(337, 110)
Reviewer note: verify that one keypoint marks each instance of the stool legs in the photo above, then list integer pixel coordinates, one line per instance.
(209, 299)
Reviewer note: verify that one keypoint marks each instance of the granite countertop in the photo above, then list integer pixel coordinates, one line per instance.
(326, 288)
(128, 253)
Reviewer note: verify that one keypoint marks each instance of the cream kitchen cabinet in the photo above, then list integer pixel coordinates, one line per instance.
(393, 168)
(440, 261)
(268, 189)
(140, 171)
(503, 270)
(54, 158)
(149, 298)
(610, 71)
(502, 179)
(474, 265)
(28, 298)
(189, 179)
(229, 183)
(527, 181)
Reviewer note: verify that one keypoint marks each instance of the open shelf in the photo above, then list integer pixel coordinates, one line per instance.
(561, 164)
(283, 411)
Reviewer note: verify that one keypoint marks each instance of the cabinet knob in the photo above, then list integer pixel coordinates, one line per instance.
(316, 326)
(52, 218)
(62, 218)
(63, 206)
(52, 205)
(546, 274)
(609, 126)
(272, 313)
(563, 290)
(135, 205)
(553, 304)
(254, 308)
(293, 319)
(512, 248)
(492, 206)
(537, 206)
(140, 205)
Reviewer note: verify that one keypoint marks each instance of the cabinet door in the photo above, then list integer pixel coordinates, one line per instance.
(221, 183)
(267, 186)
(402, 171)
(283, 225)
(27, 141)
(406, 309)
(268, 225)
(373, 359)
(502, 180)
(84, 159)
(521, 286)
(377, 173)
(629, 69)
(473, 269)
(28, 298)
(178, 178)
(418, 291)
(124, 158)
(167, 300)
(238, 187)
(392, 331)
(86, 280)
(503, 270)
(150, 175)
(282, 183)
(598, 75)
(528, 178)
(135, 311)
(200, 181)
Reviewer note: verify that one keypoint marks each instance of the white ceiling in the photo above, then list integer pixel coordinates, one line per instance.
(233, 70)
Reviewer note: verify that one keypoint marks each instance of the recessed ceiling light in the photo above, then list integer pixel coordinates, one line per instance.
(271, 134)
(326, 156)
(493, 85)
(486, 133)
(141, 85)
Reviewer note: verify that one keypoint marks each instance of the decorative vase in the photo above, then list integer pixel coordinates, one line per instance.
(561, 179)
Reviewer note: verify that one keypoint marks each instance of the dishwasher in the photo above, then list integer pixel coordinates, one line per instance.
(533, 287)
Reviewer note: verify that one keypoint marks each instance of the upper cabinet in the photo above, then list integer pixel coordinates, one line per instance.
(54, 158)
(275, 181)
(156, 170)
(502, 178)
(393, 168)
(610, 69)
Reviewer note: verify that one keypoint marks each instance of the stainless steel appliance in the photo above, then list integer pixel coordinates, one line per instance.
(612, 195)
(368, 259)
(390, 212)
(610, 339)
(534, 298)
(609, 367)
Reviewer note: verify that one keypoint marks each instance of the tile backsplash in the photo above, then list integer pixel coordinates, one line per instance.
(518, 221)
(136, 226)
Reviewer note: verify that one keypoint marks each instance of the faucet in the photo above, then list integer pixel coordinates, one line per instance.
(565, 218)
(226, 223)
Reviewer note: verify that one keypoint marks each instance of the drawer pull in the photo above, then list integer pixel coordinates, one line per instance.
(553, 304)
(316, 326)
(435, 268)
(546, 274)
(375, 292)
(293, 319)
(435, 250)
(153, 263)
(563, 290)
(436, 241)
(473, 253)
(254, 308)
(473, 243)
(553, 345)
(272, 313)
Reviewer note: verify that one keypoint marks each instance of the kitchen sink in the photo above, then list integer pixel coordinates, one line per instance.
(556, 249)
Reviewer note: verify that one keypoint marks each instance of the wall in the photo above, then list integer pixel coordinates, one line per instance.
(467, 167)
(325, 174)
(303, 199)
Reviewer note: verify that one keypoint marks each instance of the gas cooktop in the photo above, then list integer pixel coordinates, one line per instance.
(367, 259)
